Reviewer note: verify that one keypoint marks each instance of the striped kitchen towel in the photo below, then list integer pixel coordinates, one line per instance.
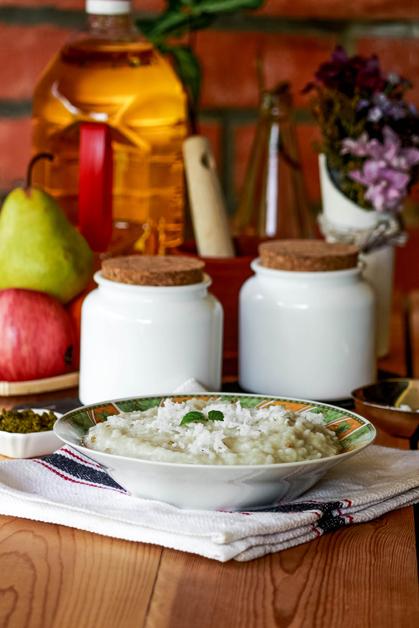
(68, 489)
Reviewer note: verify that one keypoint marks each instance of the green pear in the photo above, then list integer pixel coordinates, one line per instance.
(39, 248)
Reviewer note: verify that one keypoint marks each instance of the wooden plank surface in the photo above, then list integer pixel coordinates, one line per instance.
(364, 575)
(353, 577)
(57, 577)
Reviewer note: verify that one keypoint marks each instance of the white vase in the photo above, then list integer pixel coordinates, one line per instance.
(342, 214)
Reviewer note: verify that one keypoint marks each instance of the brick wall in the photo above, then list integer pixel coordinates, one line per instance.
(293, 37)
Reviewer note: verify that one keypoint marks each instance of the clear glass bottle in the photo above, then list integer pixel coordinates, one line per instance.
(111, 75)
(273, 203)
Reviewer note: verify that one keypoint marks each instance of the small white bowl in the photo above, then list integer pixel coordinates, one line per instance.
(16, 445)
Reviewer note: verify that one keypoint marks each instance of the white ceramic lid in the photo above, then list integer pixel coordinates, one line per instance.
(108, 7)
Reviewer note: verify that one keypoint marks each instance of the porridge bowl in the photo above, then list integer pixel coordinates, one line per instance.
(215, 451)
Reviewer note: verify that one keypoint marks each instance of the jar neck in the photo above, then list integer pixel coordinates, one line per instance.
(349, 275)
(153, 293)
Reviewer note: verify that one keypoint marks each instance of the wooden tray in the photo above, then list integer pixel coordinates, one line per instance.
(29, 387)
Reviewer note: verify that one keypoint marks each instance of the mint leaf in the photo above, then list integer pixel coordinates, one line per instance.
(215, 415)
(192, 417)
(195, 416)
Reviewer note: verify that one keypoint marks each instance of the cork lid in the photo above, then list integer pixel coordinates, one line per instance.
(308, 255)
(153, 270)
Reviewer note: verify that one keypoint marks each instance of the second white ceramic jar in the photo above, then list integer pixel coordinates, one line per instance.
(306, 334)
(145, 340)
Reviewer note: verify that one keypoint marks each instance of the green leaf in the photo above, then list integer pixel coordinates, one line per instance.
(215, 415)
(187, 67)
(183, 16)
(180, 18)
(173, 24)
(225, 6)
(192, 417)
(170, 23)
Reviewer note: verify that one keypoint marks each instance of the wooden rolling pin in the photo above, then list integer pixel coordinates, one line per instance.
(209, 215)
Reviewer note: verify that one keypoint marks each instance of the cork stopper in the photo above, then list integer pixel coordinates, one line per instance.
(153, 270)
(308, 255)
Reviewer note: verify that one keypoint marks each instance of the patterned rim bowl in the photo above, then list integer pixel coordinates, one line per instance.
(216, 487)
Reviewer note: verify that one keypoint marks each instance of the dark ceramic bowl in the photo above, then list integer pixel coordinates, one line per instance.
(381, 402)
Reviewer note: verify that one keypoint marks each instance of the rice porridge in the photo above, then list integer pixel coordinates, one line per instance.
(218, 432)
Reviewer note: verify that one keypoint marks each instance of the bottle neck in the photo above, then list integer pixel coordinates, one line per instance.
(120, 27)
(277, 103)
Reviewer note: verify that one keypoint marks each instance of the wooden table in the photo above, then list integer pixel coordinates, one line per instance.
(364, 575)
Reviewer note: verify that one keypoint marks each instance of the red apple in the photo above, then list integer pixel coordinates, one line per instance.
(36, 336)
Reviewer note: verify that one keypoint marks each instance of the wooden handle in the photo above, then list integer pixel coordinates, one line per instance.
(209, 216)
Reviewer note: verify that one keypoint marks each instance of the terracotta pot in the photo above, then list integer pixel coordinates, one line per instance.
(228, 275)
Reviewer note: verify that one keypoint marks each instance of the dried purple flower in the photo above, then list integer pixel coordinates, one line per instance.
(358, 147)
(363, 103)
(385, 107)
(387, 170)
(375, 114)
(347, 74)
(363, 114)
(386, 188)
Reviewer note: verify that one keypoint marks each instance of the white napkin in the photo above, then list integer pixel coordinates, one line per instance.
(68, 489)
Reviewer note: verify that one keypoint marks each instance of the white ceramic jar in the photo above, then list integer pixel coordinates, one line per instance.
(306, 334)
(148, 339)
(345, 217)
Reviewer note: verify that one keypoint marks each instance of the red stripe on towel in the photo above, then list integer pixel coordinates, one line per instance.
(75, 480)
(89, 463)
